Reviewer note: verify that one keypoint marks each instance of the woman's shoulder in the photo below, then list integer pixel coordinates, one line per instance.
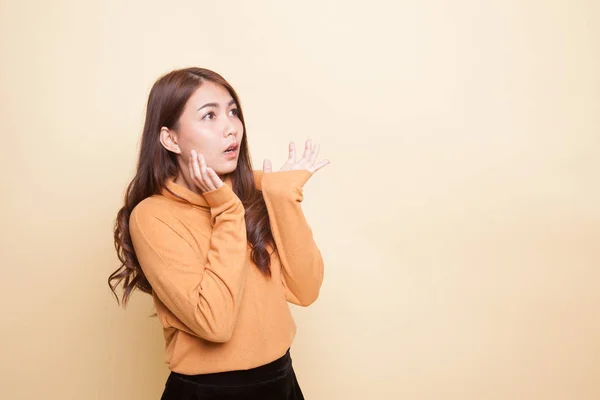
(149, 210)
(158, 213)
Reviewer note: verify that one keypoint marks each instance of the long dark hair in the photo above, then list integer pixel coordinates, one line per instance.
(166, 102)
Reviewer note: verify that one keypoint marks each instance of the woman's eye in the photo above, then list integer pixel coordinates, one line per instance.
(234, 112)
(210, 115)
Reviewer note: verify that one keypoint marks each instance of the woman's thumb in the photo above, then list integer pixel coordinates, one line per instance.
(267, 166)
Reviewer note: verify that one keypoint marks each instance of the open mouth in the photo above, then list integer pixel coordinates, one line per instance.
(232, 148)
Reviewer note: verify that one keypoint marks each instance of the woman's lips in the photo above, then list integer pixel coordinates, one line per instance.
(232, 150)
(230, 154)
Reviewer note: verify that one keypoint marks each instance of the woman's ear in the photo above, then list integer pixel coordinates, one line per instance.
(169, 140)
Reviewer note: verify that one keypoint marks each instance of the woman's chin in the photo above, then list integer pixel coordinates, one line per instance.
(224, 170)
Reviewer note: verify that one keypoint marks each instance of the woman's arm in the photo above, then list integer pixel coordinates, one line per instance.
(202, 290)
(301, 260)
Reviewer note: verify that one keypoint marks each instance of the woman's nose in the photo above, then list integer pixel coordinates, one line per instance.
(229, 129)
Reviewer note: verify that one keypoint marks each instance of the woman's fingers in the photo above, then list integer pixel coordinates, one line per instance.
(217, 182)
(307, 162)
(204, 177)
(267, 167)
(199, 178)
(197, 173)
(307, 150)
(318, 166)
(208, 181)
(314, 153)
(292, 156)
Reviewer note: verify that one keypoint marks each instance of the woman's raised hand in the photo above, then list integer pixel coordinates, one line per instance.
(307, 162)
(205, 178)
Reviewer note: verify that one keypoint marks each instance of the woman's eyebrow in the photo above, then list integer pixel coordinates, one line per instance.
(215, 105)
(208, 105)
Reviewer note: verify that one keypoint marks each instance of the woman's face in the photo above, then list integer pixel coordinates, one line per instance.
(209, 124)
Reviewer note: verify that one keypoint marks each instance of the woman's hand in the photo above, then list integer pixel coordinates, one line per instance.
(307, 162)
(205, 178)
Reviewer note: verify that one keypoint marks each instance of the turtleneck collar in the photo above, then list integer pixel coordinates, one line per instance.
(178, 192)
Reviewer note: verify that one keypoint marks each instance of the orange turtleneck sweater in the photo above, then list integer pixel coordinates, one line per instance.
(218, 311)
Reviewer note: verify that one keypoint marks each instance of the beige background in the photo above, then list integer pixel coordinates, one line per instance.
(459, 219)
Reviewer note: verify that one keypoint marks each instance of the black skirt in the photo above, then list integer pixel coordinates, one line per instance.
(273, 381)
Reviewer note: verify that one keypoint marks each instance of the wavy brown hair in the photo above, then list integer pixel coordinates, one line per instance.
(166, 102)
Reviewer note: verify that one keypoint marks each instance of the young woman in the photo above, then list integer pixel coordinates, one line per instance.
(221, 248)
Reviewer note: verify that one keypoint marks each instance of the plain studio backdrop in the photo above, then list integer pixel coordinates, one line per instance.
(459, 219)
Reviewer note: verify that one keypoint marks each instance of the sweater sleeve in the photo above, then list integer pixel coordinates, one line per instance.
(301, 260)
(202, 290)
